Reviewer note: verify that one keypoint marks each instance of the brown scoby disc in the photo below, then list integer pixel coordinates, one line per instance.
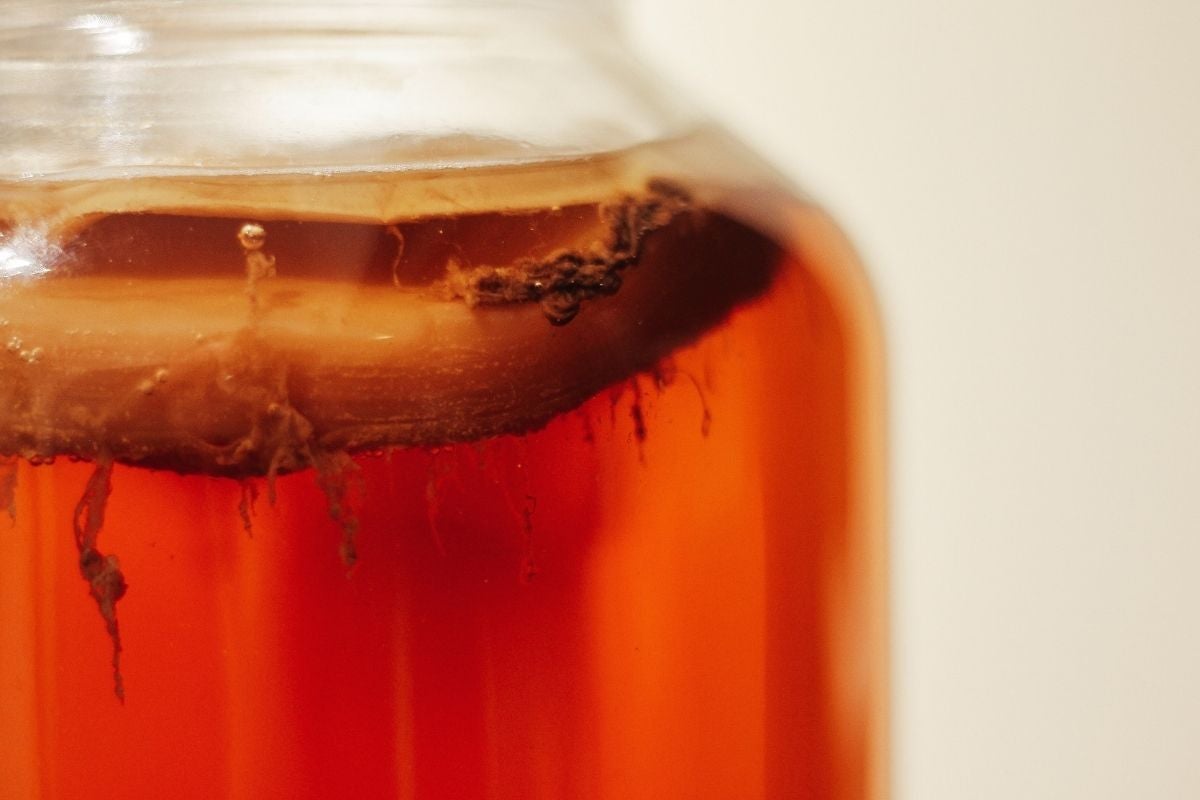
(238, 347)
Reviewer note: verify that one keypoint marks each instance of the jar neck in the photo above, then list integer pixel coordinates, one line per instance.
(176, 19)
(134, 86)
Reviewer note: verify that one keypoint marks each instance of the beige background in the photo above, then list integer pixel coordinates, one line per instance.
(1024, 179)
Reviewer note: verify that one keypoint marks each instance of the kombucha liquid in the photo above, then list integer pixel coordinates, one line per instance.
(558, 481)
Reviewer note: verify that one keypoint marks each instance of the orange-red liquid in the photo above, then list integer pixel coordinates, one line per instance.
(671, 591)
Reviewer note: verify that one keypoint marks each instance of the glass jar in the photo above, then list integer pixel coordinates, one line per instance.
(430, 405)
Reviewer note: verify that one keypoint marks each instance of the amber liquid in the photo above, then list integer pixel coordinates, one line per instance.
(669, 588)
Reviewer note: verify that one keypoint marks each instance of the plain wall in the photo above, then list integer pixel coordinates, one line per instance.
(1023, 178)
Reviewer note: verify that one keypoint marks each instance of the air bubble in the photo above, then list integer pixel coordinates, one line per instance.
(252, 236)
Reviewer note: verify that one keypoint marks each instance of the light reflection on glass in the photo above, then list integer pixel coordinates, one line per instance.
(26, 253)
(110, 88)
(109, 34)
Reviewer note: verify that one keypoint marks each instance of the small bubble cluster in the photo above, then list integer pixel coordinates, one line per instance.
(30, 355)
